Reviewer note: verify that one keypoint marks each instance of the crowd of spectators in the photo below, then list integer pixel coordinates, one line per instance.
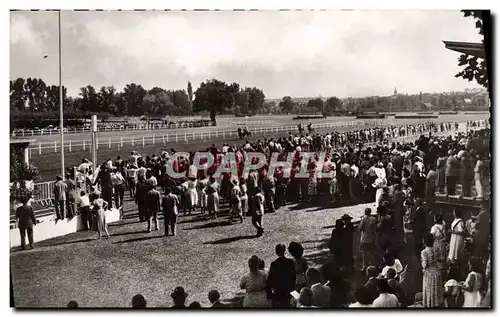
(402, 178)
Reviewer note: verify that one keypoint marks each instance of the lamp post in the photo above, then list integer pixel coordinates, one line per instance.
(61, 116)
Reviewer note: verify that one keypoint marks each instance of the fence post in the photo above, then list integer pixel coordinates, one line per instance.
(163, 139)
(153, 139)
(84, 145)
(109, 143)
(121, 142)
(70, 145)
(40, 148)
(96, 143)
(201, 135)
(177, 137)
(143, 141)
(132, 140)
(194, 136)
(185, 137)
(223, 135)
(55, 146)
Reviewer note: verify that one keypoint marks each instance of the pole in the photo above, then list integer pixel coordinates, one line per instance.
(93, 130)
(61, 116)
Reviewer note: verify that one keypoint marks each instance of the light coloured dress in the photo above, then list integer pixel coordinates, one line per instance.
(431, 285)
(254, 283)
(457, 242)
(473, 298)
(192, 193)
(99, 214)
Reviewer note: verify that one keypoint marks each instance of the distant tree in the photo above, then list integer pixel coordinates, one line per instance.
(89, 99)
(180, 100)
(242, 100)
(52, 97)
(332, 104)
(106, 99)
(133, 96)
(190, 93)
(157, 101)
(215, 96)
(287, 104)
(35, 90)
(475, 68)
(315, 104)
(17, 95)
(256, 99)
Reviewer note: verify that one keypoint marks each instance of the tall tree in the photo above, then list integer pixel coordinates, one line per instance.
(332, 104)
(89, 99)
(107, 99)
(180, 100)
(215, 96)
(157, 102)
(17, 94)
(52, 97)
(242, 102)
(133, 96)
(315, 104)
(190, 94)
(287, 104)
(35, 90)
(475, 68)
(256, 99)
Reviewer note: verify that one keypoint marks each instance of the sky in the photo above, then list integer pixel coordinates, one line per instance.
(294, 53)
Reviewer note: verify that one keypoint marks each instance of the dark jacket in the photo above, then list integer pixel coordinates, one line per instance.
(26, 217)
(281, 278)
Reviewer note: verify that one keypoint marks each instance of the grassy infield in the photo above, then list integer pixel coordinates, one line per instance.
(206, 254)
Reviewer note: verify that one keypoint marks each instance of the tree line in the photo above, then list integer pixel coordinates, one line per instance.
(32, 101)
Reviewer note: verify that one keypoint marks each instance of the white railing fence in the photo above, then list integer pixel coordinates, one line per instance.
(165, 139)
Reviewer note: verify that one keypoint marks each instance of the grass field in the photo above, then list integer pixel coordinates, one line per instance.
(205, 254)
(48, 163)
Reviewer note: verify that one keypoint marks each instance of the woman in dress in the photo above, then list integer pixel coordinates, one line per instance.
(297, 251)
(254, 283)
(244, 197)
(432, 286)
(212, 202)
(312, 189)
(438, 231)
(472, 285)
(99, 213)
(440, 174)
(192, 194)
(457, 241)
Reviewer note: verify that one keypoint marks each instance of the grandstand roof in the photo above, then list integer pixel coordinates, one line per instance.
(474, 49)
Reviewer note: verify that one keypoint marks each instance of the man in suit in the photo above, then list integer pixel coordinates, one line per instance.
(60, 189)
(452, 173)
(153, 204)
(281, 279)
(26, 220)
(170, 206)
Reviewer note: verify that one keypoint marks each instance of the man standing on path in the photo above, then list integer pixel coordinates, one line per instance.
(281, 279)
(104, 177)
(25, 222)
(71, 196)
(153, 203)
(368, 228)
(60, 189)
(170, 206)
(257, 211)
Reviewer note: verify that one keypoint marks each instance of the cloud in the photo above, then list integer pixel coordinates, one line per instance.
(306, 53)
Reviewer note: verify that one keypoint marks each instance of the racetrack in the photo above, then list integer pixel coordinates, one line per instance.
(48, 162)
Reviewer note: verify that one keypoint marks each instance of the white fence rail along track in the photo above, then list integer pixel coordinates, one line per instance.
(164, 139)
